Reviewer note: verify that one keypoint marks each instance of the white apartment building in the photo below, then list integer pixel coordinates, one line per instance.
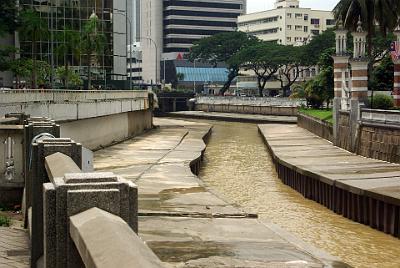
(287, 24)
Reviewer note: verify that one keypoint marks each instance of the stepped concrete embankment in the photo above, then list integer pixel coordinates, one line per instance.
(186, 224)
(359, 188)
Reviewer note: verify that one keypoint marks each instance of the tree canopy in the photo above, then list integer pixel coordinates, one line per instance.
(220, 48)
(8, 17)
(263, 58)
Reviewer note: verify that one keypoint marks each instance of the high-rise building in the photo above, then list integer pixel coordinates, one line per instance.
(170, 27)
(73, 14)
(287, 24)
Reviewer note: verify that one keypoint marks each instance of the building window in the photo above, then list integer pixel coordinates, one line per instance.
(289, 27)
(306, 29)
(315, 32)
(298, 28)
(305, 16)
(315, 21)
(330, 22)
(288, 39)
(289, 15)
(298, 15)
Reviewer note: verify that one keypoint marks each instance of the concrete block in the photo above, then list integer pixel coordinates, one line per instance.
(117, 246)
(78, 192)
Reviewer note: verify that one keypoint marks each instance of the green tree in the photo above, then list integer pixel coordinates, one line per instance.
(93, 43)
(69, 75)
(8, 17)
(34, 29)
(382, 77)
(68, 49)
(291, 64)
(221, 48)
(21, 69)
(262, 58)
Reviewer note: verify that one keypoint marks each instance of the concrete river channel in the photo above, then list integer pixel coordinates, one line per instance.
(238, 168)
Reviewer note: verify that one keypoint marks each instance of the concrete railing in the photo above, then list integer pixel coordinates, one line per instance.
(380, 116)
(104, 240)
(63, 105)
(57, 96)
(250, 101)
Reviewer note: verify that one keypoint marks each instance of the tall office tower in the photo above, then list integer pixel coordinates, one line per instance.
(73, 14)
(135, 15)
(174, 25)
(287, 24)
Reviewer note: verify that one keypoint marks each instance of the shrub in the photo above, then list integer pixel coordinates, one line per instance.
(4, 221)
(381, 101)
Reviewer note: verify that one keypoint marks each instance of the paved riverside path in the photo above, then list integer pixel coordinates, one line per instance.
(185, 224)
(363, 189)
(14, 248)
(236, 117)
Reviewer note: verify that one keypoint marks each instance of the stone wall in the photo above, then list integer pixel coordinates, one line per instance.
(316, 126)
(344, 135)
(380, 142)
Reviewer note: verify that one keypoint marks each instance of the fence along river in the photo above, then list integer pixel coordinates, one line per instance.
(238, 167)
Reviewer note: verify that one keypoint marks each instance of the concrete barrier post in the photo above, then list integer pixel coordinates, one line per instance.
(76, 193)
(38, 176)
(34, 126)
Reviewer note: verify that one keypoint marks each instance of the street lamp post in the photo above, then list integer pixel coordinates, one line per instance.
(128, 47)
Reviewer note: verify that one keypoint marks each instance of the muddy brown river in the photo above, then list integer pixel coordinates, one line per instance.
(238, 168)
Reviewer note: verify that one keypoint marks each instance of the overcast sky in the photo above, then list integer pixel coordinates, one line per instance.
(261, 5)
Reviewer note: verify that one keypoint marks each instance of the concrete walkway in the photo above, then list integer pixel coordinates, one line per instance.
(362, 189)
(185, 224)
(14, 248)
(235, 117)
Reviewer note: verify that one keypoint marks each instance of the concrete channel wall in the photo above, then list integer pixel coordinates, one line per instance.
(361, 189)
(107, 130)
(316, 126)
(249, 105)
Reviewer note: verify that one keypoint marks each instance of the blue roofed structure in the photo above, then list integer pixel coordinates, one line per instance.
(203, 74)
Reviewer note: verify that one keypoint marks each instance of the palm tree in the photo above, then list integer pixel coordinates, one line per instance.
(385, 13)
(93, 43)
(33, 28)
(69, 46)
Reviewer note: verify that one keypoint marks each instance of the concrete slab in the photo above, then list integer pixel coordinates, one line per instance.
(309, 154)
(184, 223)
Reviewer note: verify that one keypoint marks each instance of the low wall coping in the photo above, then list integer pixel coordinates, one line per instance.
(104, 240)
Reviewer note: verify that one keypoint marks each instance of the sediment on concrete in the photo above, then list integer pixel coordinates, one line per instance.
(361, 189)
(235, 117)
(183, 222)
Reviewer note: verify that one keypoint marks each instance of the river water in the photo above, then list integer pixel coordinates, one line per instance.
(238, 168)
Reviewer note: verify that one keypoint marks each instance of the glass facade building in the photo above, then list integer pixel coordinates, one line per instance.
(62, 15)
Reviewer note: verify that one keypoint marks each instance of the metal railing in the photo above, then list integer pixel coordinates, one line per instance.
(380, 116)
(251, 101)
(36, 95)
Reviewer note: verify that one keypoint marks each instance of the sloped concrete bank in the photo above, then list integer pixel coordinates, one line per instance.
(361, 189)
(236, 117)
(182, 221)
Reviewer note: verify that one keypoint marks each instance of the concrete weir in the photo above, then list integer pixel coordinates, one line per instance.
(182, 221)
(362, 189)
